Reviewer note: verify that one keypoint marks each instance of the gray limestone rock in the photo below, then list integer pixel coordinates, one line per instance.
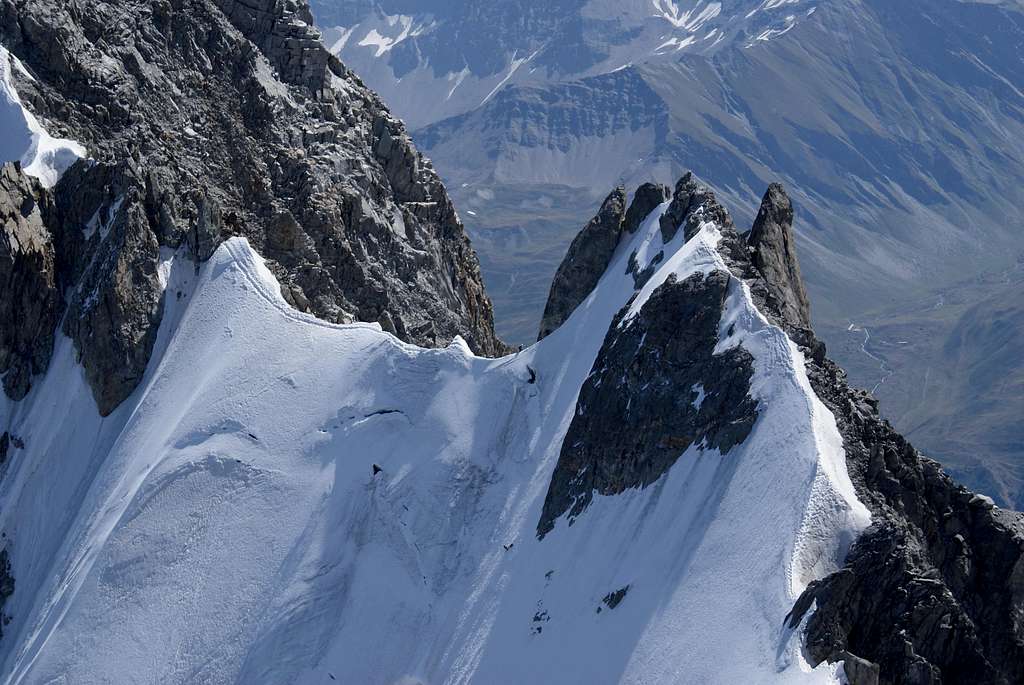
(773, 253)
(30, 298)
(656, 389)
(585, 262)
(209, 119)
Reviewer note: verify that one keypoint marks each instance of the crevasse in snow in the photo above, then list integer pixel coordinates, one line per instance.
(225, 524)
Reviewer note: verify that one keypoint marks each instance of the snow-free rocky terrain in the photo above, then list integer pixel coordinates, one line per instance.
(257, 427)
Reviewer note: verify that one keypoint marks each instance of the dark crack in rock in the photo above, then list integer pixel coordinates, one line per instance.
(30, 298)
(6, 587)
(586, 261)
(656, 388)
(773, 253)
(216, 118)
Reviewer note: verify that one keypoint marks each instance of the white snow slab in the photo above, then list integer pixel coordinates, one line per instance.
(23, 138)
(225, 524)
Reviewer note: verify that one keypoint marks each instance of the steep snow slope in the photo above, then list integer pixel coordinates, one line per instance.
(225, 523)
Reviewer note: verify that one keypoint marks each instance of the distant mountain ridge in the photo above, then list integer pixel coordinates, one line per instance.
(899, 127)
(257, 427)
(475, 48)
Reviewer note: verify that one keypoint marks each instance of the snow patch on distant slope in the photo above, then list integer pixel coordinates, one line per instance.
(23, 138)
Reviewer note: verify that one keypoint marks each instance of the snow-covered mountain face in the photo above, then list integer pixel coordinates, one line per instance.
(437, 59)
(896, 124)
(320, 500)
(205, 477)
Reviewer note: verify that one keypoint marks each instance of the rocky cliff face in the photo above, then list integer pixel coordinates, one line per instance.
(213, 118)
(30, 302)
(933, 592)
(585, 262)
(656, 388)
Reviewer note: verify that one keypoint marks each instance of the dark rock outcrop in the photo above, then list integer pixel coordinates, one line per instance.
(30, 299)
(216, 118)
(8, 443)
(646, 198)
(6, 586)
(932, 592)
(116, 306)
(656, 389)
(773, 253)
(585, 262)
(692, 203)
(592, 250)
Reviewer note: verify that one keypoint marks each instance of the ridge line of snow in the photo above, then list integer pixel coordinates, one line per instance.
(24, 138)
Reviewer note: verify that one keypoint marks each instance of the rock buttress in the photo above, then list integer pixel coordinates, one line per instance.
(235, 120)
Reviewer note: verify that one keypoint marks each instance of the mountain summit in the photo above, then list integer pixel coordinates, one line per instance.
(256, 427)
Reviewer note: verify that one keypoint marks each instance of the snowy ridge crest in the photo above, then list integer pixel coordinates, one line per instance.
(316, 498)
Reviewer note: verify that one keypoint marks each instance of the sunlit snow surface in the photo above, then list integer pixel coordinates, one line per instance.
(22, 137)
(224, 524)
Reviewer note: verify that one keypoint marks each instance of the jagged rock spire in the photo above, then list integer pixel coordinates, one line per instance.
(592, 250)
(773, 253)
(585, 262)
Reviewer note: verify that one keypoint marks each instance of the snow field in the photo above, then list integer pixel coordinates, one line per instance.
(225, 524)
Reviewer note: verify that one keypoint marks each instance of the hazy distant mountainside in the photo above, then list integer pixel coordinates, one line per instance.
(900, 127)
(256, 426)
(435, 58)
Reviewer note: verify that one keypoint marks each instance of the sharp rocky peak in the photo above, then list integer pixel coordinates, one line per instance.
(592, 249)
(932, 592)
(207, 119)
(773, 253)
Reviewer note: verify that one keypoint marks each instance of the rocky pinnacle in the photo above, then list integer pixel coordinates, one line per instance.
(932, 592)
(773, 253)
(585, 262)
